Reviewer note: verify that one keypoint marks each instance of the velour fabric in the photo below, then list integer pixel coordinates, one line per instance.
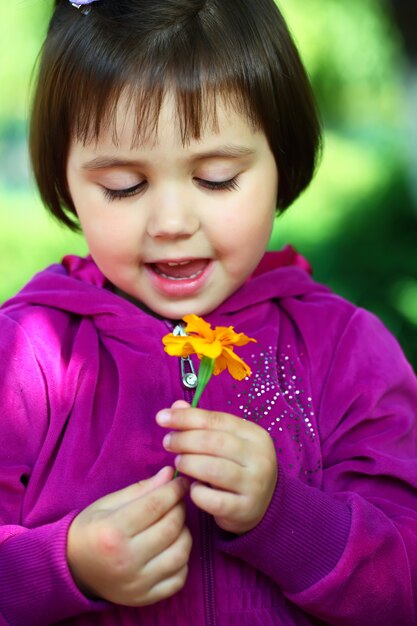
(83, 373)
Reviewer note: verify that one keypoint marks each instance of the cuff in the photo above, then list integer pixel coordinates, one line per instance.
(36, 586)
(300, 539)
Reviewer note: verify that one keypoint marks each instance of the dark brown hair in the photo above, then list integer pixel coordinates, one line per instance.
(200, 49)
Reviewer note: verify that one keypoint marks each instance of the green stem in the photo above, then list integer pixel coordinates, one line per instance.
(205, 372)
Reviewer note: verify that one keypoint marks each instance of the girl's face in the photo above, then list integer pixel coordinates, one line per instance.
(177, 228)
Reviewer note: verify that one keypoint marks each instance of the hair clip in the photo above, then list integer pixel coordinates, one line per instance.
(83, 5)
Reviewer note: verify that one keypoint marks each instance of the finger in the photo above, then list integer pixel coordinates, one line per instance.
(215, 443)
(136, 490)
(180, 404)
(215, 502)
(165, 589)
(217, 472)
(232, 513)
(196, 419)
(157, 538)
(137, 515)
(168, 562)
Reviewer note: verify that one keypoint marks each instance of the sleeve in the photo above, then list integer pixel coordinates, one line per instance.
(347, 553)
(36, 586)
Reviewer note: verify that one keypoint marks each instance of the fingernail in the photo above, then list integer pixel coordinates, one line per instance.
(177, 460)
(180, 404)
(163, 417)
(166, 442)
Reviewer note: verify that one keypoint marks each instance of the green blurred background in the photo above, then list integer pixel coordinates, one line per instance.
(357, 223)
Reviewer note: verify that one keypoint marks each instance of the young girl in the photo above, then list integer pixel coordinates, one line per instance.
(171, 130)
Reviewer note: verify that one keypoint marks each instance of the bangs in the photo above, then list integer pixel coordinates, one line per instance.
(196, 109)
(196, 77)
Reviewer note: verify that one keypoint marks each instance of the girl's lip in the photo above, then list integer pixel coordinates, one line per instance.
(179, 287)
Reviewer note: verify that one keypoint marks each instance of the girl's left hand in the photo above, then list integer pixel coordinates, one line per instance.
(233, 462)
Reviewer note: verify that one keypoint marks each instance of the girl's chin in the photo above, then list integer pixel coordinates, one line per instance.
(175, 310)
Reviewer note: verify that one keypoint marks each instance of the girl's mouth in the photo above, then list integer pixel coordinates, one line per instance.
(180, 270)
(179, 278)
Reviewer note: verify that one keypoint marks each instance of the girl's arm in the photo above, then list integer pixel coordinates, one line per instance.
(347, 553)
(50, 571)
(36, 586)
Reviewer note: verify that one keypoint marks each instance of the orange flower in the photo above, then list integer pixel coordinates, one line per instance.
(214, 347)
(213, 344)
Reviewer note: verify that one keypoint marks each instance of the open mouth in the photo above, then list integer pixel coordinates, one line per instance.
(182, 278)
(180, 270)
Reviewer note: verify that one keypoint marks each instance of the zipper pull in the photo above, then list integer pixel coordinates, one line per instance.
(188, 375)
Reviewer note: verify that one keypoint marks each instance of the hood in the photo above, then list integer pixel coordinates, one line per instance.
(77, 286)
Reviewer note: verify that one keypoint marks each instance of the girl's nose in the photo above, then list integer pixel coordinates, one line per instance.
(172, 217)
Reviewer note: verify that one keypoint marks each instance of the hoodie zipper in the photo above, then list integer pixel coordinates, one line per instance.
(206, 541)
(189, 382)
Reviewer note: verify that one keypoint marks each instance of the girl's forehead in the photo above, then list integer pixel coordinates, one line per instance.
(127, 124)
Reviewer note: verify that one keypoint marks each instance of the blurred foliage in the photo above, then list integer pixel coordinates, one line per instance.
(353, 55)
(356, 223)
(22, 27)
(29, 238)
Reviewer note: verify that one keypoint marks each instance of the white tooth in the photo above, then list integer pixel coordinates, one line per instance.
(180, 278)
(174, 264)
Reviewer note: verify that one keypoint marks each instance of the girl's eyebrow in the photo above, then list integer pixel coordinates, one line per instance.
(103, 162)
(230, 151)
(225, 152)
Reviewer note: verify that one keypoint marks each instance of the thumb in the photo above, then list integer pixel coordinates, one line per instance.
(136, 490)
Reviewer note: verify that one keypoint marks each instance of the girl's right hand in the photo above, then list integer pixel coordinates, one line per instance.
(132, 546)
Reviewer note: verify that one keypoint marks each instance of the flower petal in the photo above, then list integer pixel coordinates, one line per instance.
(198, 326)
(228, 336)
(243, 339)
(220, 365)
(177, 346)
(202, 347)
(235, 365)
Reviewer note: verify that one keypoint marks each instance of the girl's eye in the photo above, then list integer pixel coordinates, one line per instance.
(119, 194)
(223, 185)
